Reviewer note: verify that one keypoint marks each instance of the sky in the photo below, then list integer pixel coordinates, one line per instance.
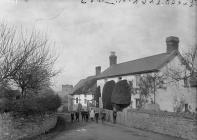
(85, 34)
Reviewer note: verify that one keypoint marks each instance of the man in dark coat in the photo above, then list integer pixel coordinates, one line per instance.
(83, 115)
(114, 115)
(96, 115)
(103, 115)
(77, 116)
(72, 116)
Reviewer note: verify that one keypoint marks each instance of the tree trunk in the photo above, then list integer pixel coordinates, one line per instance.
(22, 92)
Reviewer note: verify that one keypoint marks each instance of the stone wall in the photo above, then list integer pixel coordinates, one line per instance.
(179, 125)
(14, 129)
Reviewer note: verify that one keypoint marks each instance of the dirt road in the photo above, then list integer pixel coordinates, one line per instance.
(93, 131)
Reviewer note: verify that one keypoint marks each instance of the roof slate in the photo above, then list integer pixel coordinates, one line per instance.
(143, 65)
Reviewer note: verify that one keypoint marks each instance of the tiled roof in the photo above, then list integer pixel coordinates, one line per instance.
(139, 66)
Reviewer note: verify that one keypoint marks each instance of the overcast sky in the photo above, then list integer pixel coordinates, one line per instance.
(86, 33)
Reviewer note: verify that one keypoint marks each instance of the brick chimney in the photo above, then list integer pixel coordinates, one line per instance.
(112, 58)
(98, 70)
(172, 43)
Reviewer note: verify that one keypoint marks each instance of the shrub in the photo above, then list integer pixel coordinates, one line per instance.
(35, 105)
(3, 105)
(6, 96)
(121, 95)
(107, 92)
(65, 109)
(9, 93)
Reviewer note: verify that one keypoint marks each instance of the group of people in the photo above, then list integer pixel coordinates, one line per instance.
(85, 115)
(92, 115)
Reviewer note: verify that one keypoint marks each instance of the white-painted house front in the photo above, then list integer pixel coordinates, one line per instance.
(83, 93)
(82, 99)
(172, 94)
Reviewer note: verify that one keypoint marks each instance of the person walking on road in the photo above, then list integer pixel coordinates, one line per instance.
(72, 116)
(92, 114)
(83, 115)
(77, 116)
(86, 115)
(114, 115)
(96, 116)
(103, 115)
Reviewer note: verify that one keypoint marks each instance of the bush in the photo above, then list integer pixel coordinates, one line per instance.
(6, 96)
(35, 105)
(121, 95)
(4, 105)
(107, 92)
(9, 93)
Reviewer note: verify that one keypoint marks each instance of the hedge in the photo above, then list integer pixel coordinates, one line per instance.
(121, 95)
(35, 105)
(107, 92)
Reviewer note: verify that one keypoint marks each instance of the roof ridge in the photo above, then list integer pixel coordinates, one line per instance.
(141, 58)
(141, 65)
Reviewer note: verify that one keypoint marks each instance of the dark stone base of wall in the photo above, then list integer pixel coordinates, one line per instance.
(178, 125)
(14, 129)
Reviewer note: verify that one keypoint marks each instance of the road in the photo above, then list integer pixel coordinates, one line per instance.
(107, 131)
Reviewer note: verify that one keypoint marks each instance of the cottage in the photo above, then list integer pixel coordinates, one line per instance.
(173, 94)
(83, 92)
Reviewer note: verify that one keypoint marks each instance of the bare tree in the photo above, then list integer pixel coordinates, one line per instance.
(174, 73)
(25, 60)
(37, 69)
(8, 52)
(148, 84)
(190, 58)
(186, 71)
(12, 53)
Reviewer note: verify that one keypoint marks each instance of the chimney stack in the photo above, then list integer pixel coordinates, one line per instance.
(98, 70)
(112, 58)
(172, 43)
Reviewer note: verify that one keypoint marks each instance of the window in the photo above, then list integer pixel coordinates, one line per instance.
(77, 100)
(119, 78)
(85, 101)
(85, 95)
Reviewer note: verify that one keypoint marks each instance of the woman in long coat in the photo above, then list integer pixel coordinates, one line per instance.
(92, 114)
